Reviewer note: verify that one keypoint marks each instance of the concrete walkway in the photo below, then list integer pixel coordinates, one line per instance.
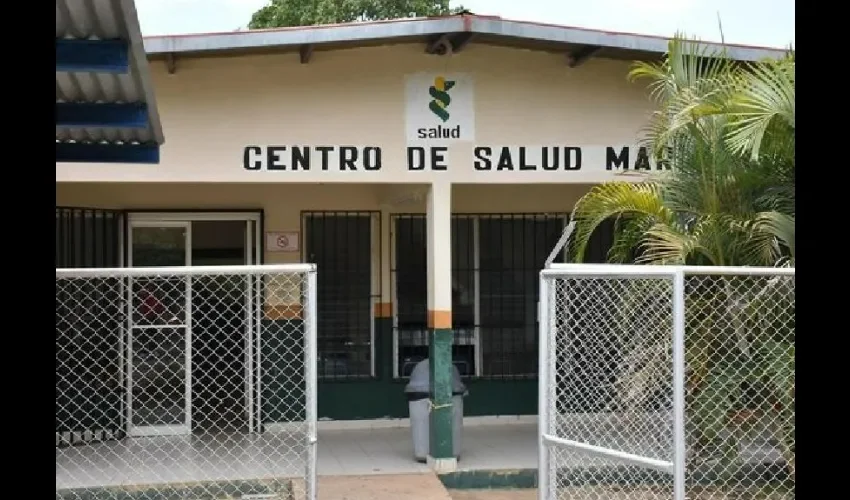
(382, 487)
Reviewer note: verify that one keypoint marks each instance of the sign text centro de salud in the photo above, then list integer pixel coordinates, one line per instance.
(439, 113)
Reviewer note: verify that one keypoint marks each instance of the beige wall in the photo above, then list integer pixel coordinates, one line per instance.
(211, 108)
(282, 204)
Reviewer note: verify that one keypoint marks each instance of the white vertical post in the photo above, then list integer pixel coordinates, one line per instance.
(543, 390)
(476, 262)
(259, 304)
(128, 357)
(310, 355)
(188, 331)
(249, 330)
(679, 448)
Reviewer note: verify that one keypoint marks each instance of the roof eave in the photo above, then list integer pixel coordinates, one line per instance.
(355, 34)
(105, 104)
(140, 63)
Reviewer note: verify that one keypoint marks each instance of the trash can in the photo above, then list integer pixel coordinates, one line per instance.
(419, 403)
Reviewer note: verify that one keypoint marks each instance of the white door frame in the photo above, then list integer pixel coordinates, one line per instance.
(161, 430)
(254, 255)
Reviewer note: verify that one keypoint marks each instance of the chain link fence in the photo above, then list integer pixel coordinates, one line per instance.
(667, 383)
(196, 382)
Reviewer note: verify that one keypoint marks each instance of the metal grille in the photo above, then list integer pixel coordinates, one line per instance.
(87, 237)
(410, 281)
(513, 248)
(667, 383)
(495, 261)
(740, 340)
(343, 245)
(193, 382)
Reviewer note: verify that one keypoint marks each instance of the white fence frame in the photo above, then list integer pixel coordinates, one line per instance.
(310, 329)
(545, 478)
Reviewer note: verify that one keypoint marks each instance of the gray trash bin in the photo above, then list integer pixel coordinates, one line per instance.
(419, 403)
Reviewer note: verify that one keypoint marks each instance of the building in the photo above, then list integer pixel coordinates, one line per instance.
(365, 149)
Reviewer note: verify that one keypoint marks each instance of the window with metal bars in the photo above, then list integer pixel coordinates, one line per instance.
(343, 247)
(87, 237)
(88, 328)
(496, 260)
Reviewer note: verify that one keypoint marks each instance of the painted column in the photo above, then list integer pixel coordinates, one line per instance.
(439, 208)
(384, 353)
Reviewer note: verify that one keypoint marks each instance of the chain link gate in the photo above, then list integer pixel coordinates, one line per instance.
(189, 382)
(662, 382)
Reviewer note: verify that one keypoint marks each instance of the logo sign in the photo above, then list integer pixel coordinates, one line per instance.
(282, 241)
(439, 108)
(441, 98)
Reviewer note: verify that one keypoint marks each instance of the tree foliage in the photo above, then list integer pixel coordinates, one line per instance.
(282, 13)
(728, 132)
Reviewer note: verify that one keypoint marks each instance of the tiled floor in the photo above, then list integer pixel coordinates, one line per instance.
(340, 452)
(390, 451)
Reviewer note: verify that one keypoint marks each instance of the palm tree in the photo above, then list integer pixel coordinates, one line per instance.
(726, 129)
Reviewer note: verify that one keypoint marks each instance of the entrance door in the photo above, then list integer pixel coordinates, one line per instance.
(159, 343)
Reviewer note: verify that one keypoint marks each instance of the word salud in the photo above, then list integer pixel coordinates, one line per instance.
(485, 158)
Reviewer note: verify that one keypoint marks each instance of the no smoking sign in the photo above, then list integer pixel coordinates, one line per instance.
(282, 242)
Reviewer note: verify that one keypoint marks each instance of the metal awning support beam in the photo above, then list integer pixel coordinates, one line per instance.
(92, 56)
(580, 56)
(101, 115)
(171, 63)
(448, 43)
(106, 153)
(461, 40)
(438, 44)
(305, 52)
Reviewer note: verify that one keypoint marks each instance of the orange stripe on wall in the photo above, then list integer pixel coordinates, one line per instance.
(383, 310)
(288, 311)
(439, 319)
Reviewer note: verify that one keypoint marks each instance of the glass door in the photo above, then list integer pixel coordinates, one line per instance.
(159, 343)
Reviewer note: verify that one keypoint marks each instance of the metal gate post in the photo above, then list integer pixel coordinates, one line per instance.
(311, 376)
(543, 390)
(679, 448)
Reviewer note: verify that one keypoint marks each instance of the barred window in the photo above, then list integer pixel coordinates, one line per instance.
(87, 326)
(496, 260)
(513, 251)
(88, 237)
(410, 291)
(342, 245)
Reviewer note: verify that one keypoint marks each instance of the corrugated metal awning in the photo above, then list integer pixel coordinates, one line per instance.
(105, 106)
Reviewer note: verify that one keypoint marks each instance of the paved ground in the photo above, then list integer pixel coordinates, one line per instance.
(519, 494)
(360, 452)
(382, 487)
(612, 493)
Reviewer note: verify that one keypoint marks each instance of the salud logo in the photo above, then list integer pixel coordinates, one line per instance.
(441, 98)
(439, 108)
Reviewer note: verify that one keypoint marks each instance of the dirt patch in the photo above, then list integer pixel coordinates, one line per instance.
(382, 487)
(665, 493)
(518, 494)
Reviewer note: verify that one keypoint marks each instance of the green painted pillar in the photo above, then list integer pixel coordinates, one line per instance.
(440, 359)
(441, 456)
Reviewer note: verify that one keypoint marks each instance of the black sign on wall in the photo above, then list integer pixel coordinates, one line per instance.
(436, 158)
